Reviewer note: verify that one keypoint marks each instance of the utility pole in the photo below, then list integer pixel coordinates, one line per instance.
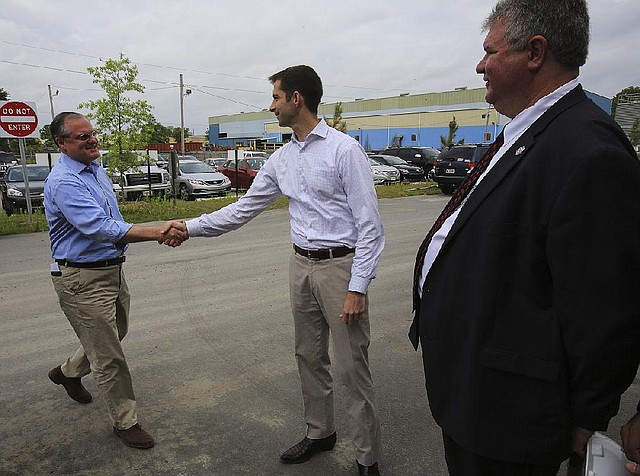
(53, 114)
(181, 116)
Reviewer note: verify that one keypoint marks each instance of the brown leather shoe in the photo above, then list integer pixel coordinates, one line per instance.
(135, 437)
(73, 386)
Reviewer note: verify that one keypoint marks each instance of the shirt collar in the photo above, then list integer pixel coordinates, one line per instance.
(321, 130)
(76, 166)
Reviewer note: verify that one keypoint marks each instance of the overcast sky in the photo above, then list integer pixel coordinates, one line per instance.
(226, 49)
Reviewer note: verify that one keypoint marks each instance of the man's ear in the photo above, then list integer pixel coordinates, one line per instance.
(537, 50)
(298, 100)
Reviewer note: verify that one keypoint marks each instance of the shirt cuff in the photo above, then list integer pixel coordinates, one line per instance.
(193, 227)
(359, 285)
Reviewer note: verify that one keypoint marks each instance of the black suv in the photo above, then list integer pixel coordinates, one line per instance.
(454, 163)
(6, 160)
(420, 156)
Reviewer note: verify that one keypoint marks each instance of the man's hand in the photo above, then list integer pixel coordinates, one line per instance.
(173, 233)
(630, 436)
(353, 307)
(579, 440)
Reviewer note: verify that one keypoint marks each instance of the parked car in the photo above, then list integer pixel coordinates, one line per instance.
(408, 172)
(13, 188)
(216, 162)
(454, 163)
(196, 179)
(243, 176)
(383, 174)
(420, 156)
(140, 181)
(162, 161)
(7, 159)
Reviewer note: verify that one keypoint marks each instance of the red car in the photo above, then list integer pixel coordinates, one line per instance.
(245, 173)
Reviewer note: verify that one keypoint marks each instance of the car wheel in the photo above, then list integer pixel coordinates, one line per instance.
(447, 189)
(184, 193)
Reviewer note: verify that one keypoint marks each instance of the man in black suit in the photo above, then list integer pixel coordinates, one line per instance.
(526, 290)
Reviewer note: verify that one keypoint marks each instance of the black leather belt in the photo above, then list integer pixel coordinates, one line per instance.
(93, 264)
(327, 253)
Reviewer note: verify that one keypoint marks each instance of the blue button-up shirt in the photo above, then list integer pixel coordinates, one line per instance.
(82, 212)
(332, 200)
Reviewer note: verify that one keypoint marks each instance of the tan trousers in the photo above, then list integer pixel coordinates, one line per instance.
(317, 290)
(96, 303)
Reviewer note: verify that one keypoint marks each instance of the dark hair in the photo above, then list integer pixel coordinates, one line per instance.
(301, 78)
(563, 23)
(57, 128)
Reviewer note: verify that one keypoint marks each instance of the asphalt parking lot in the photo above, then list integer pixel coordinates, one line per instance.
(211, 353)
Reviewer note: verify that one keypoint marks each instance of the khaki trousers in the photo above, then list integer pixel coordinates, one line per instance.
(317, 291)
(96, 303)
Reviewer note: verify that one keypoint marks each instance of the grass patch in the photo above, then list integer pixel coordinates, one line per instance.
(156, 209)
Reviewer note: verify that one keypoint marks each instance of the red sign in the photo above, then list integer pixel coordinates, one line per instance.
(18, 119)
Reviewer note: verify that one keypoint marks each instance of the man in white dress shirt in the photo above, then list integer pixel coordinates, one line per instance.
(337, 237)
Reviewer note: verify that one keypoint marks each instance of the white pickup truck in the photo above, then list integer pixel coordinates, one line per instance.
(137, 182)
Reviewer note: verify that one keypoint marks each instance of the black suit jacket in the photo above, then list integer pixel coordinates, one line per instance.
(530, 316)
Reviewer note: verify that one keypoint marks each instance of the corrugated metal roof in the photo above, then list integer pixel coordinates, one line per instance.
(396, 103)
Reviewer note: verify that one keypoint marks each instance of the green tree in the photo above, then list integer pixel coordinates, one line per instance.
(634, 133)
(450, 139)
(624, 92)
(46, 139)
(337, 122)
(122, 122)
(175, 133)
(4, 95)
(157, 133)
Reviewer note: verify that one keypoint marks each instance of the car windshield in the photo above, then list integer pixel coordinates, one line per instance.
(256, 164)
(456, 153)
(392, 160)
(34, 174)
(374, 162)
(430, 152)
(196, 167)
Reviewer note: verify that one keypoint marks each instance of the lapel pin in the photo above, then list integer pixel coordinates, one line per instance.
(520, 150)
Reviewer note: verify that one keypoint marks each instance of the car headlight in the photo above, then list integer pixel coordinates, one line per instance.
(166, 178)
(14, 192)
(226, 180)
(197, 182)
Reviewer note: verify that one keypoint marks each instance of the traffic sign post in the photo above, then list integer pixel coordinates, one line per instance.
(19, 120)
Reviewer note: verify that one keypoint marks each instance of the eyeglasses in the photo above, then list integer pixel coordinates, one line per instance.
(83, 137)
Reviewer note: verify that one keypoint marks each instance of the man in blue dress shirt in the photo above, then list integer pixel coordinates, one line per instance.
(88, 240)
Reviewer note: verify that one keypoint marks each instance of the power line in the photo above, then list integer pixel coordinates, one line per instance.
(215, 73)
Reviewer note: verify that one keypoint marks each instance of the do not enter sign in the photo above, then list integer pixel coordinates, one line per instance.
(18, 119)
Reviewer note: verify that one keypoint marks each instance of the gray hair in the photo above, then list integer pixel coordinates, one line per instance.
(58, 124)
(563, 23)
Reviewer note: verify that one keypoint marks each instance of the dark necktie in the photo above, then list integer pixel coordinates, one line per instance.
(461, 193)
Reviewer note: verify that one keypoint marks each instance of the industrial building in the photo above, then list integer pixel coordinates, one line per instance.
(404, 120)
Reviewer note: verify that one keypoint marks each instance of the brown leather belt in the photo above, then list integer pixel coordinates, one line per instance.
(326, 253)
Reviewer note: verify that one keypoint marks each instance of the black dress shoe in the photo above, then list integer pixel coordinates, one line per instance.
(368, 470)
(73, 386)
(307, 448)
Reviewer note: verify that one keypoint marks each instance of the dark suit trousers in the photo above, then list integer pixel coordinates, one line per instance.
(464, 463)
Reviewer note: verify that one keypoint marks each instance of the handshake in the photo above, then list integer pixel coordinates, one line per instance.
(173, 233)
